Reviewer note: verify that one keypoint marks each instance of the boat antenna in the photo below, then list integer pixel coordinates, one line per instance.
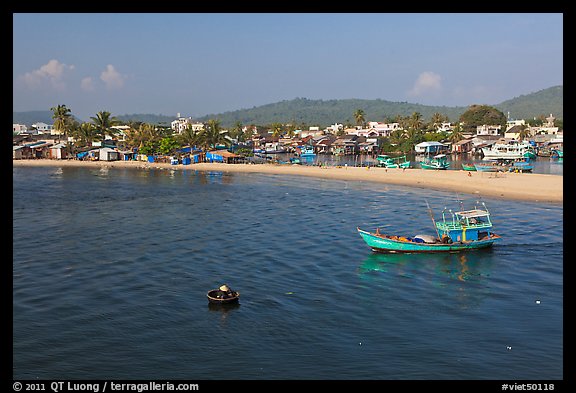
(432, 217)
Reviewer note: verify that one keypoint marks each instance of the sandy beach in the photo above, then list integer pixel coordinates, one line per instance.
(515, 186)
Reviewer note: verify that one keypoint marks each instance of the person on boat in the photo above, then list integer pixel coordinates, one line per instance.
(446, 239)
(224, 292)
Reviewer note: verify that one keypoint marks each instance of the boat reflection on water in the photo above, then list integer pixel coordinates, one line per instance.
(461, 276)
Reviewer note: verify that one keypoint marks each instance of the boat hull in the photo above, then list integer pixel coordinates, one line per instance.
(381, 244)
(434, 166)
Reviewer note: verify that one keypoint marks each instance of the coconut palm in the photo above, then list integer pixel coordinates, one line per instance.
(85, 133)
(103, 123)
(213, 135)
(524, 133)
(360, 118)
(189, 137)
(277, 130)
(415, 121)
(62, 117)
(456, 134)
(237, 132)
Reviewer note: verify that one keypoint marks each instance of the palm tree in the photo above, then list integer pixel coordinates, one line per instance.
(213, 135)
(359, 115)
(237, 132)
(416, 121)
(189, 137)
(85, 133)
(103, 123)
(524, 133)
(62, 116)
(277, 130)
(456, 134)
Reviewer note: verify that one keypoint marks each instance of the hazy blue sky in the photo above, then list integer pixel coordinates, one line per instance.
(199, 64)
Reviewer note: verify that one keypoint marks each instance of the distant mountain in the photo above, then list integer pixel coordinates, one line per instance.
(326, 112)
(543, 102)
(32, 117)
(147, 118)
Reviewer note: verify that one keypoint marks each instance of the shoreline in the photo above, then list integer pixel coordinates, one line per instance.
(511, 186)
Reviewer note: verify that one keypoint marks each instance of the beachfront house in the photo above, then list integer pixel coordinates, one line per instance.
(19, 128)
(108, 154)
(347, 144)
(57, 151)
(463, 146)
(431, 147)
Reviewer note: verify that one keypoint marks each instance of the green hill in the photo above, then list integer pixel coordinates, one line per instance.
(326, 112)
(543, 102)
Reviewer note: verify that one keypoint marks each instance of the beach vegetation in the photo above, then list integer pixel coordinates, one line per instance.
(168, 145)
(103, 121)
(213, 135)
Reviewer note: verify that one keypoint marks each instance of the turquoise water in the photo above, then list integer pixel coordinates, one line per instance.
(111, 269)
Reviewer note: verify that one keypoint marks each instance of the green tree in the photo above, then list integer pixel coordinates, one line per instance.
(213, 135)
(103, 121)
(85, 134)
(168, 145)
(360, 117)
(456, 134)
(277, 130)
(478, 115)
(524, 133)
(189, 137)
(62, 120)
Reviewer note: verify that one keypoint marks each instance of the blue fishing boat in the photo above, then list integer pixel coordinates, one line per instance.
(307, 151)
(457, 231)
(522, 166)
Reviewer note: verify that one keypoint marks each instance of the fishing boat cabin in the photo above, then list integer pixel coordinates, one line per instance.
(465, 225)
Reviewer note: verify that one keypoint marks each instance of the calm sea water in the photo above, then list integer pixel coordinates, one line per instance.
(111, 269)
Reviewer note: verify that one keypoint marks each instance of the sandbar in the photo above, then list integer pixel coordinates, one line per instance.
(513, 186)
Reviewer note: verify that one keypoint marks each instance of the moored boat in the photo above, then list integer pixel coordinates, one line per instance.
(457, 231)
(393, 162)
(468, 167)
(439, 161)
(307, 151)
(510, 150)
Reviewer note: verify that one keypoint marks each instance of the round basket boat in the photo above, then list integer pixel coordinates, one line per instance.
(214, 298)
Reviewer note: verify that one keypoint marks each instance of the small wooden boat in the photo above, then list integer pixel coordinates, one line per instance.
(458, 231)
(468, 167)
(393, 162)
(439, 161)
(215, 296)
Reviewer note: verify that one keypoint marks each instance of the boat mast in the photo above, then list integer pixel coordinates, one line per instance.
(432, 217)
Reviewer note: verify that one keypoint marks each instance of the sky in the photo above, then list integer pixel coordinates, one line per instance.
(198, 64)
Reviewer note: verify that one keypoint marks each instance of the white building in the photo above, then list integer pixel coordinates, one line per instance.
(488, 130)
(180, 124)
(334, 128)
(383, 129)
(19, 128)
(44, 128)
(546, 128)
(444, 127)
(512, 123)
